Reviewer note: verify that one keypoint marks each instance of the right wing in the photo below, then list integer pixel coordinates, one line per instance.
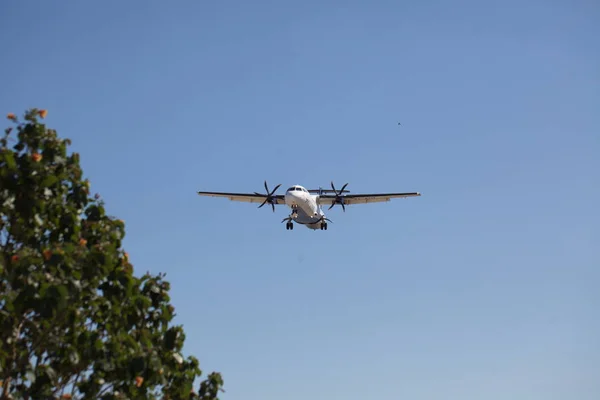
(350, 199)
(245, 197)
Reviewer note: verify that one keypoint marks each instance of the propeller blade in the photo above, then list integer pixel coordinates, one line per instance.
(276, 187)
(338, 196)
(324, 219)
(269, 196)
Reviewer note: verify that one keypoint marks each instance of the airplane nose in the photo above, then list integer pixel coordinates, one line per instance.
(292, 196)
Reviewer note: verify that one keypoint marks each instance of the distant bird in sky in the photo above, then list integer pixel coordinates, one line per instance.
(399, 123)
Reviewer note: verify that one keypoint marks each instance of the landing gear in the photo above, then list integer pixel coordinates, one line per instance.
(323, 226)
(294, 211)
(289, 224)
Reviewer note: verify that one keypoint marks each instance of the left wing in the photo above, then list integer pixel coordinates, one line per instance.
(349, 199)
(246, 197)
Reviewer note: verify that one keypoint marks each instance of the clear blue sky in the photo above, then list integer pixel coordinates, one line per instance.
(484, 287)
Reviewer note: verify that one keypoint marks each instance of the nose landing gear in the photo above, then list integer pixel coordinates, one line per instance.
(289, 225)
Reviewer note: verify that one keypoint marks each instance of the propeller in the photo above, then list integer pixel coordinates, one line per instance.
(270, 199)
(338, 197)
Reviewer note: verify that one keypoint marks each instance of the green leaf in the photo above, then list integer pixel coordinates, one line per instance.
(9, 158)
(49, 180)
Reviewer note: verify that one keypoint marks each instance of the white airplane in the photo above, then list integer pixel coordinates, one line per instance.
(306, 204)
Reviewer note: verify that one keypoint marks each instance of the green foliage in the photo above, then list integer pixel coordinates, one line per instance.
(74, 320)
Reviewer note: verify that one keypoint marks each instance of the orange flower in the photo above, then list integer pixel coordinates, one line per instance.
(82, 242)
(36, 157)
(14, 258)
(47, 254)
(43, 113)
(11, 116)
(138, 381)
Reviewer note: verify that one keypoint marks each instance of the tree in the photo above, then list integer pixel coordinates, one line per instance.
(74, 320)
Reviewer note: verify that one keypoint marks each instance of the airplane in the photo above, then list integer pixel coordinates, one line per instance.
(306, 204)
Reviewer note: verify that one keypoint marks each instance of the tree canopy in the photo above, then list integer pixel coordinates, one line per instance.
(75, 322)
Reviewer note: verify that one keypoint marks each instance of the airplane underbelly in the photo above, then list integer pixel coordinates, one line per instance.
(307, 220)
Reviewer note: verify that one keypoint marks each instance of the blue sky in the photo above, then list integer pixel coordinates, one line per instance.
(484, 287)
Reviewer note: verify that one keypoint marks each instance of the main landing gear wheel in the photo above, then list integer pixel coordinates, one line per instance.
(289, 226)
(323, 226)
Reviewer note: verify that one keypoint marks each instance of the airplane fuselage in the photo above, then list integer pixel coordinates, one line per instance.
(305, 208)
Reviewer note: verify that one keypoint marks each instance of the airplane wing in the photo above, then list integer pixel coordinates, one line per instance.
(326, 191)
(349, 199)
(245, 197)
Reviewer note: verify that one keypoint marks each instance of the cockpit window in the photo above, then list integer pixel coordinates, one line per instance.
(291, 189)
